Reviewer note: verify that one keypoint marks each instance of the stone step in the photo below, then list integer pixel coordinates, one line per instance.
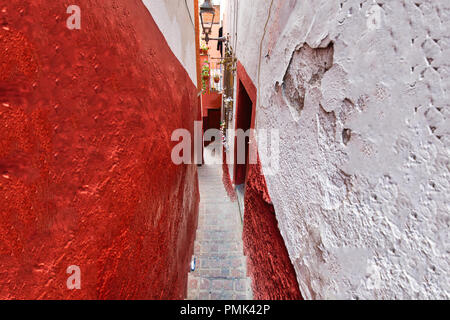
(222, 217)
(220, 273)
(221, 267)
(215, 234)
(201, 288)
(217, 197)
(225, 255)
(204, 247)
(213, 188)
(201, 241)
(210, 262)
(212, 223)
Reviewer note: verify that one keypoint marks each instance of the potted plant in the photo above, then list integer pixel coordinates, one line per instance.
(204, 50)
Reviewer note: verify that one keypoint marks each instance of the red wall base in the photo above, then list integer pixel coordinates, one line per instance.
(226, 178)
(269, 264)
(86, 176)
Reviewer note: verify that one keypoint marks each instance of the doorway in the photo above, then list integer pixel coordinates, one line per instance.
(244, 118)
(243, 121)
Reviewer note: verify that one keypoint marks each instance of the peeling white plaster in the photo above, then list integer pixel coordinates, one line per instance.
(362, 196)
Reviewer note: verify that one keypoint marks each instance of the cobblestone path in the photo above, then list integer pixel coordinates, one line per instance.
(221, 272)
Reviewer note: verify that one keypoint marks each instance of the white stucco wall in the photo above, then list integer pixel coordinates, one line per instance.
(175, 19)
(362, 196)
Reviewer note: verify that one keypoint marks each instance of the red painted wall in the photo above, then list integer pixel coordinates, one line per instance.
(268, 260)
(244, 121)
(269, 264)
(86, 176)
(211, 100)
(226, 178)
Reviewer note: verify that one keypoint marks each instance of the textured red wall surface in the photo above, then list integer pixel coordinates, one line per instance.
(212, 100)
(269, 264)
(268, 260)
(86, 177)
(226, 178)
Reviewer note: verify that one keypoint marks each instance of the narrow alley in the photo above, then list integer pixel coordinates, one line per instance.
(220, 272)
(328, 177)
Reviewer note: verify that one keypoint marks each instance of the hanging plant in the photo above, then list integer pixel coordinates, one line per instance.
(205, 76)
(204, 49)
(205, 71)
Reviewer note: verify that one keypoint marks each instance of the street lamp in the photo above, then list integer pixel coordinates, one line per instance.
(207, 15)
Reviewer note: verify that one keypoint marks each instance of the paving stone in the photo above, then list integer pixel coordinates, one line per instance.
(221, 265)
(227, 295)
(241, 297)
(193, 284)
(203, 295)
(205, 284)
(217, 284)
(240, 285)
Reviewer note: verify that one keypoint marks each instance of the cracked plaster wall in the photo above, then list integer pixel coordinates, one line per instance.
(362, 193)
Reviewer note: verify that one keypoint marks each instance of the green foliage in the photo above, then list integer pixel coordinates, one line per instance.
(205, 76)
